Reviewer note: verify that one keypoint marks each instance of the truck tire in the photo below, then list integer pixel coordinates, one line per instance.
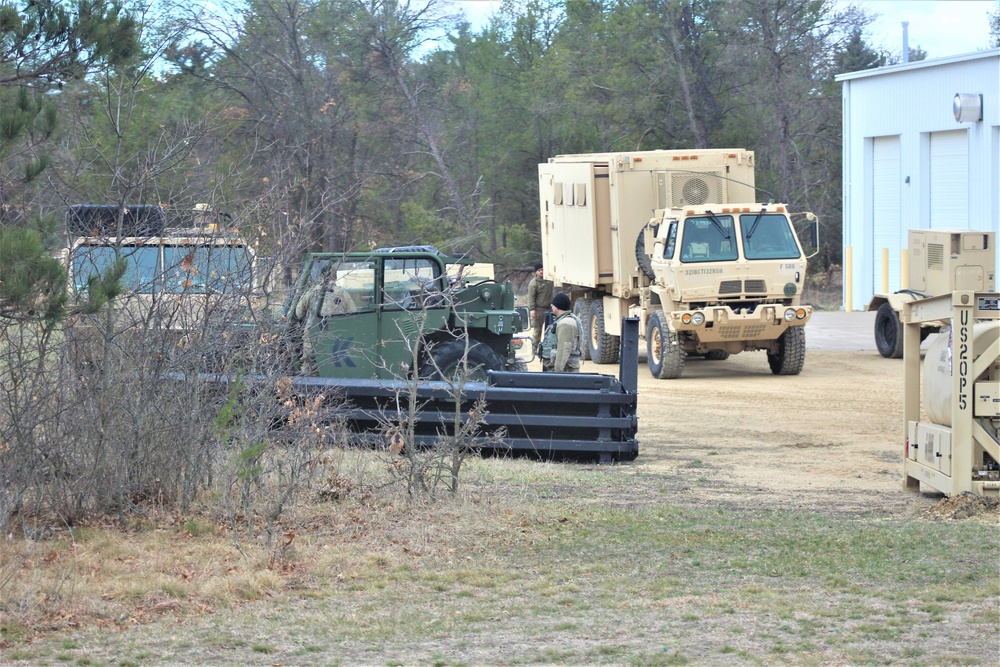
(888, 332)
(791, 355)
(604, 348)
(581, 308)
(446, 361)
(716, 355)
(664, 353)
(642, 258)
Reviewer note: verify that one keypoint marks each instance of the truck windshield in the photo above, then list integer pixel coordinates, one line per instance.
(708, 239)
(142, 266)
(189, 269)
(201, 269)
(768, 236)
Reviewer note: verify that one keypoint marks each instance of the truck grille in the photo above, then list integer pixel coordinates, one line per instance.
(730, 287)
(727, 287)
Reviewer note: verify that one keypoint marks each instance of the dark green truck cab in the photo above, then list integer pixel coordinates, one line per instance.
(409, 309)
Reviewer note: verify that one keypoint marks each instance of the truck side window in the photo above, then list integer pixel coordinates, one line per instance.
(358, 278)
(668, 250)
(410, 284)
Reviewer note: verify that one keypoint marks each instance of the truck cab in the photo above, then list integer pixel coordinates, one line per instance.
(725, 279)
(408, 316)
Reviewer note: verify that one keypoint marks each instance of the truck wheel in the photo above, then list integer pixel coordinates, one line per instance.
(445, 361)
(664, 353)
(604, 349)
(888, 332)
(716, 355)
(582, 311)
(791, 355)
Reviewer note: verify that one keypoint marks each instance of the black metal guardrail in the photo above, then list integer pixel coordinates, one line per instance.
(547, 415)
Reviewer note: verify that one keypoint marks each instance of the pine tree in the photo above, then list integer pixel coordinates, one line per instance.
(43, 45)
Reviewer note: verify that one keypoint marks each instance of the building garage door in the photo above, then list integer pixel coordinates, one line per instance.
(886, 229)
(949, 186)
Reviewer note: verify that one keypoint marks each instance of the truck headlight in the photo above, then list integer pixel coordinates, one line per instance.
(698, 319)
(790, 314)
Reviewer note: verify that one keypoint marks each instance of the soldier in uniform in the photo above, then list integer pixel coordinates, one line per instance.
(539, 300)
(562, 347)
(323, 299)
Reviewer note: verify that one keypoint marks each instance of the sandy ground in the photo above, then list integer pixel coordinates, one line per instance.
(831, 437)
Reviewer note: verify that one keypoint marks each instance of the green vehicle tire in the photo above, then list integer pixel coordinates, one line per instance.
(446, 361)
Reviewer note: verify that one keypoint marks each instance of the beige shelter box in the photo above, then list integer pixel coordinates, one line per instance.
(594, 205)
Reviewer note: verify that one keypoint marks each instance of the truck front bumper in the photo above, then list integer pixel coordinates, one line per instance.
(721, 324)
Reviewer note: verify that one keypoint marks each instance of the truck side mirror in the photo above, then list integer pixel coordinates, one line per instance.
(523, 313)
(809, 238)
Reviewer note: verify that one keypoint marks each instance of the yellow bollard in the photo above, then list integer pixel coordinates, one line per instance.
(848, 278)
(885, 270)
(904, 269)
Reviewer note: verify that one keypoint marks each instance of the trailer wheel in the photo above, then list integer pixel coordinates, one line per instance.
(664, 352)
(716, 355)
(445, 361)
(791, 355)
(604, 348)
(581, 308)
(888, 332)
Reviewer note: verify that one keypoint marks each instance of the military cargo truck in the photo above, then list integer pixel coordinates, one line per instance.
(665, 237)
(192, 286)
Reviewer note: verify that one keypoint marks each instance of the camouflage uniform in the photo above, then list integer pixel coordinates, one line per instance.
(539, 300)
(562, 347)
(322, 300)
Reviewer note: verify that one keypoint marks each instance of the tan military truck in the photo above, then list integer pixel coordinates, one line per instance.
(941, 261)
(661, 235)
(187, 273)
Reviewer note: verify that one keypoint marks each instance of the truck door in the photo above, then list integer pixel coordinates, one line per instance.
(343, 323)
(414, 303)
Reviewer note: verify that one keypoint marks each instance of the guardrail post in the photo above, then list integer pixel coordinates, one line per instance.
(628, 365)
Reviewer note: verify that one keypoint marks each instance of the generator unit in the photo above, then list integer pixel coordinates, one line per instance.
(957, 447)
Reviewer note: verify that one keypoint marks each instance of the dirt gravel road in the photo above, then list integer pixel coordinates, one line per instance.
(831, 437)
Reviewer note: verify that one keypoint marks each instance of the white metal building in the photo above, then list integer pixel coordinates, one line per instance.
(921, 151)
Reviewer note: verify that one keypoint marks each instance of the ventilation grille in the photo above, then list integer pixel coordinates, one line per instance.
(735, 332)
(695, 189)
(683, 188)
(935, 256)
(727, 287)
(730, 287)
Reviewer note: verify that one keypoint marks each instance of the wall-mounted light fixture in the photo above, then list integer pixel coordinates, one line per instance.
(968, 107)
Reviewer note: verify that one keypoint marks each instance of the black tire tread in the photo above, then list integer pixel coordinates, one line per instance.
(447, 355)
(606, 348)
(791, 356)
(888, 332)
(672, 354)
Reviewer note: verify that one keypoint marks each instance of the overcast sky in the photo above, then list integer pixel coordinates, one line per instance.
(939, 27)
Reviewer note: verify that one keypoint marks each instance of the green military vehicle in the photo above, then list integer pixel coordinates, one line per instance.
(406, 325)
(407, 313)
